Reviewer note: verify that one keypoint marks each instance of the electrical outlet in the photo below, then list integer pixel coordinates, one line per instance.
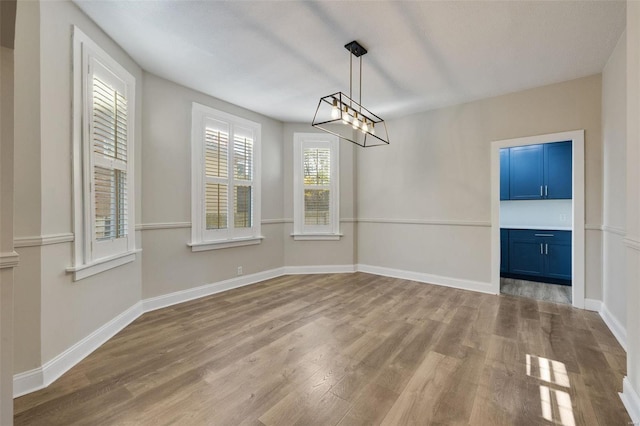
(563, 217)
(239, 270)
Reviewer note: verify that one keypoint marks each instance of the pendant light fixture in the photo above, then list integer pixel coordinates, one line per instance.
(337, 111)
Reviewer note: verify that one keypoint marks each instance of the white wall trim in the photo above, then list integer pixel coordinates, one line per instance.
(43, 376)
(631, 400)
(43, 240)
(317, 237)
(592, 227)
(162, 225)
(101, 265)
(319, 269)
(593, 305)
(425, 222)
(9, 259)
(618, 330)
(614, 230)
(479, 286)
(276, 221)
(158, 302)
(578, 207)
(632, 243)
(180, 225)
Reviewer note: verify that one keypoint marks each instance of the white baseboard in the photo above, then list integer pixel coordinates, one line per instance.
(170, 299)
(482, 287)
(43, 376)
(592, 305)
(618, 330)
(631, 401)
(319, 269)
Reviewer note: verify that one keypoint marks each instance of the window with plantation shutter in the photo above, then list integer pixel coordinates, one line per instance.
(316, 186)
(104, 94)
(225, 187)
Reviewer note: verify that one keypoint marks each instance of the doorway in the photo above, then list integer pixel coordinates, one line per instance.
(576, 211)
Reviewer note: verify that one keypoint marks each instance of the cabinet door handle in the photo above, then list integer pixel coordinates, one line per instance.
(541, 249)
(546, 249)
(546, 190)
(543, 235)
(541, 190)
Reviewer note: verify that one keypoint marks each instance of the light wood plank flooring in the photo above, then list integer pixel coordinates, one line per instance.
(539, 291)
(345, 349)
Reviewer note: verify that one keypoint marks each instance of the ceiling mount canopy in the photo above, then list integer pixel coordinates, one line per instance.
(337, 111)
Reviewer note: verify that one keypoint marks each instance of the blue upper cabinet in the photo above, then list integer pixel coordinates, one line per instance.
(526, 172)
(539, 172)
(504, 173)
(558, 172)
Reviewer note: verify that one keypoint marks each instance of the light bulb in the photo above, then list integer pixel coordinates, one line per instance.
(345, 115)
(356, 123)
(335, 112)
(365, 127)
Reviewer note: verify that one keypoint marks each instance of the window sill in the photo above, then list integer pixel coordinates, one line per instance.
(89, 269)
(222, 244)
(317, 237)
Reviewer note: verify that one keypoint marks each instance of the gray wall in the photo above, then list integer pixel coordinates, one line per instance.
(7, 255)
(305, 253)
(614, 141)
(424, 201)
(633, 200)
(168, 264)
(52, 312)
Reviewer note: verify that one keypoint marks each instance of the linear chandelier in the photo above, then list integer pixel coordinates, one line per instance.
(336, 111)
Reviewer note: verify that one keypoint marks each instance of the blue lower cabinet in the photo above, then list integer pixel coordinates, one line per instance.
(504, 250)
(558, 260)
(525, 254)
(539, 254)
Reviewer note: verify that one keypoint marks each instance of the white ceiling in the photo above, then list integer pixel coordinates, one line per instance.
(279, 58)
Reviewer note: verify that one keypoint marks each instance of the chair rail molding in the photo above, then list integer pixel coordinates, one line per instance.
(9, 259)
(43, 240)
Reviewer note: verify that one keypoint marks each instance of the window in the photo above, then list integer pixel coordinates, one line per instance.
(103, 133)
(225, 180)
(315, 201)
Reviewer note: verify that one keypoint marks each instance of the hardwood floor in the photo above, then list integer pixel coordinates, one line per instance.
(535, 290)
(345, 349)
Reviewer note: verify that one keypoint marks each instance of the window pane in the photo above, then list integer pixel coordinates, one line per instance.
(242, 212)
(317, 166)
(242, 156)
(316, 207)
(216, 152)
(122, 206)
(111, 203)
(216, 206)
(109, 121)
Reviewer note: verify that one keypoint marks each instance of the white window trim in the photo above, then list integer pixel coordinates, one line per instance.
(329, 232)
(85, 261)
(199, 239)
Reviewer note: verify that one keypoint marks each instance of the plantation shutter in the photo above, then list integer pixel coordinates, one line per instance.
(109, 140)
(216, 170)
(243, 177)
(317, 186)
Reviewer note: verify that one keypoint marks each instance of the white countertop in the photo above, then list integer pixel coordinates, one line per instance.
(540, 228)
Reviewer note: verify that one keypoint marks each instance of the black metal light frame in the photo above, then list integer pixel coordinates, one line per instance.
(374, 133)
